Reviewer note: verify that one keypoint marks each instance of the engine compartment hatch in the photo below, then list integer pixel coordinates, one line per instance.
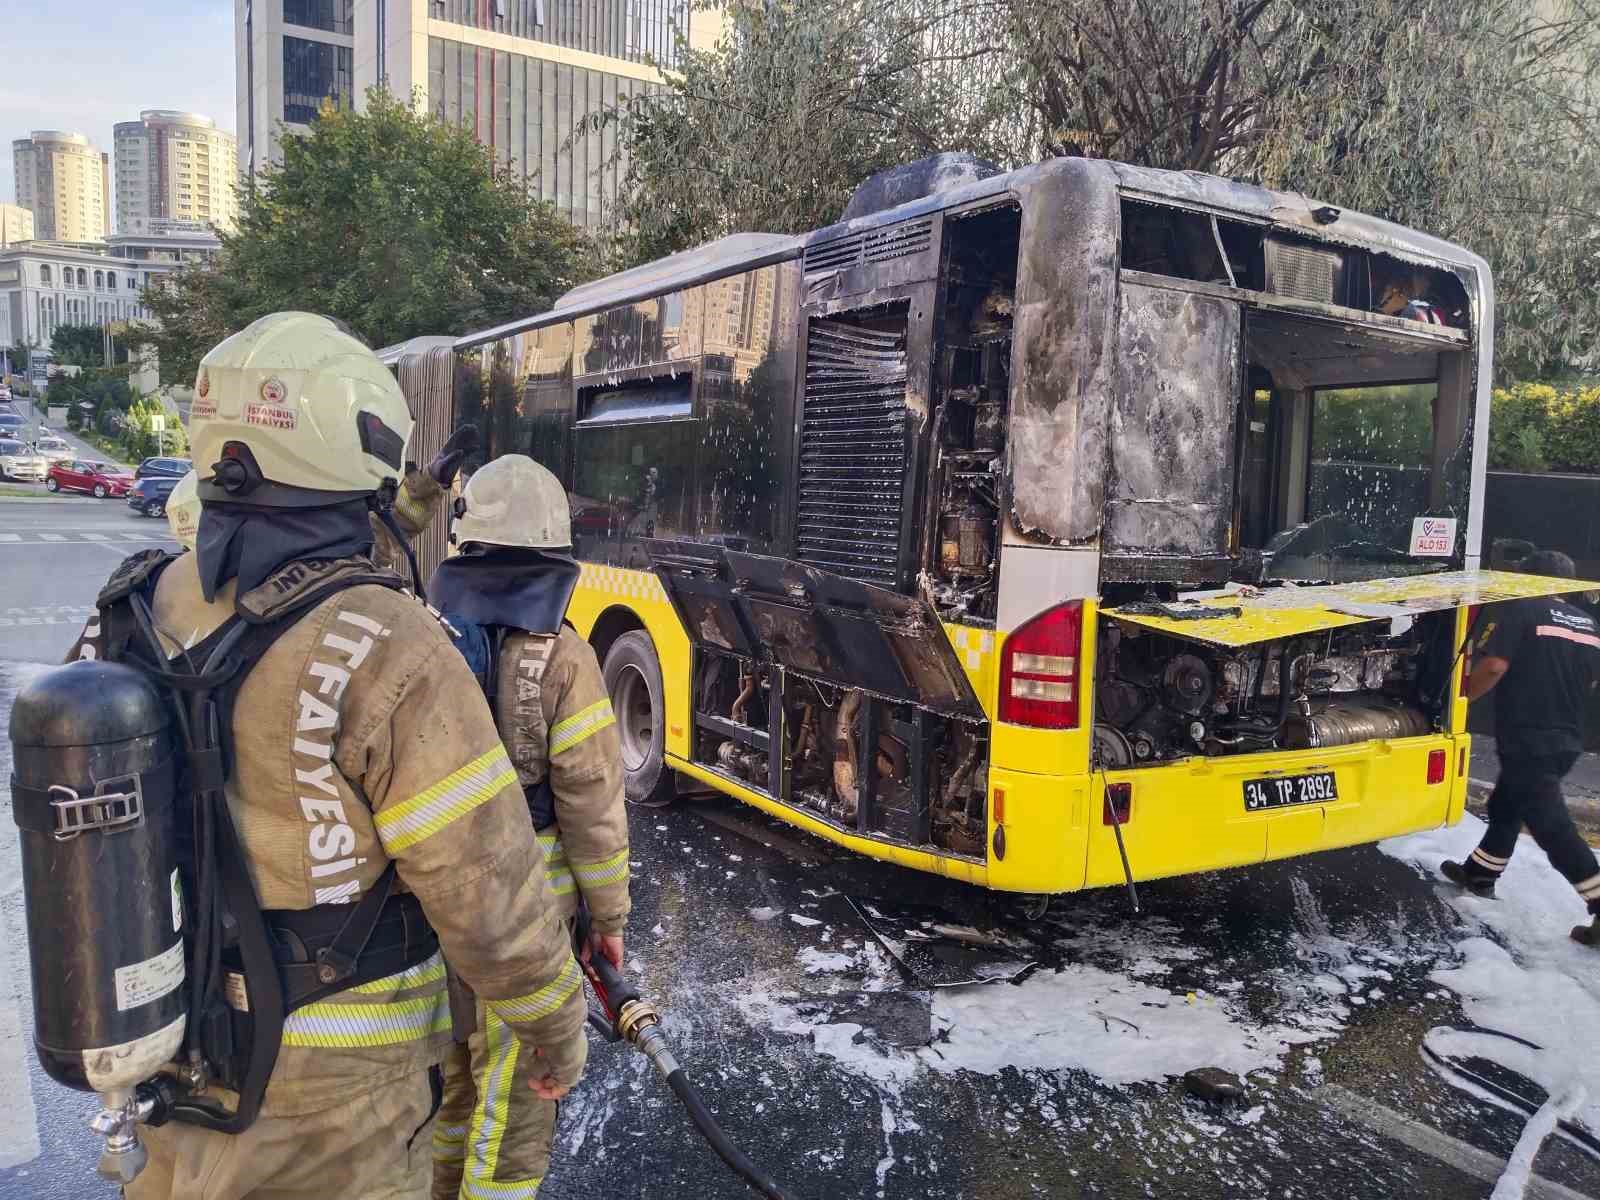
(1244, 616)
(815, 623)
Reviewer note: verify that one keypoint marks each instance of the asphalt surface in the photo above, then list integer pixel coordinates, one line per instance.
(737, 916)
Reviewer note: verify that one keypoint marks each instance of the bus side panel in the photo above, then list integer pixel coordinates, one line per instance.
(601, 589)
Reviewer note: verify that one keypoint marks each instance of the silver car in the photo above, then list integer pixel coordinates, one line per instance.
(19, 462)
(51, 448)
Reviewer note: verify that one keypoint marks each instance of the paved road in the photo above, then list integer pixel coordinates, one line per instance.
(1315, 977)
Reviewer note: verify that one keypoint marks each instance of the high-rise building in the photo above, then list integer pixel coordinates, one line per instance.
(16, 225)
(176, 171)
(523, 75)
(65, 182)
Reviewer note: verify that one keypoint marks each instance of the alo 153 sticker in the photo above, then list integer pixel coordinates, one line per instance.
(1433, 537)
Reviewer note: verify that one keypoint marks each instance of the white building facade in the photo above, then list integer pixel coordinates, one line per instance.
(47, 284)
(174, 167)
(65, 182)
(16, 225)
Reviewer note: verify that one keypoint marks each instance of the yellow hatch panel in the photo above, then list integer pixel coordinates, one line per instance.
(1279, 612)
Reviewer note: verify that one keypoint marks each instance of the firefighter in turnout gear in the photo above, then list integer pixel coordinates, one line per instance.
(365, 776)
(504, 597)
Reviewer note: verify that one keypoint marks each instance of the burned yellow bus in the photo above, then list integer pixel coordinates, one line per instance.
(1040, 529)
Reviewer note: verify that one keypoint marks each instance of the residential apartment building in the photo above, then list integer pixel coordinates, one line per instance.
(65, 182)
(174, 170)
(523, 75)
(16, 225)
(44, 284)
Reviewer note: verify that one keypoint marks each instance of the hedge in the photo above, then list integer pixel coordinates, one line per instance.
(1536, 427)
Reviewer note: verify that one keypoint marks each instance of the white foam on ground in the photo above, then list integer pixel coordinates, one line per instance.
(1530, 980)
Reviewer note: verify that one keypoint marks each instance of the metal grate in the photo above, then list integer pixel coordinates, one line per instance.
(853, 450)
(878, 246)
(1301, 272)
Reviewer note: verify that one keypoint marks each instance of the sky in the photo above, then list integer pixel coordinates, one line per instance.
(84, 65)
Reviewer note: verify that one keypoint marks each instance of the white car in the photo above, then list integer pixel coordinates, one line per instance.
(18, 462)
(52, 449)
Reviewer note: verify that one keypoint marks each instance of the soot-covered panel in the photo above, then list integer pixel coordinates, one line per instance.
(1175, 405)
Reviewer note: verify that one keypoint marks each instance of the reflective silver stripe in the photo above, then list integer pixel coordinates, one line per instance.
(1486, 862)
(1484, 856)
(429, 970)
(481, 1189)
(610, 870)
(1589, 889)
(543, 1002)
(347, 1026)
(409, 822)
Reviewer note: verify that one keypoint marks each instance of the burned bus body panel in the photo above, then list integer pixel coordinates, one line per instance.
(1064, 349)
(1173, 425)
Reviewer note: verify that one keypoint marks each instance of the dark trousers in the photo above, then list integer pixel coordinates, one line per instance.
(1528, 793)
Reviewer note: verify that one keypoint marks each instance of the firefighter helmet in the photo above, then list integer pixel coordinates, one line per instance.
(292, 412)
(513, 501)
(183, 510)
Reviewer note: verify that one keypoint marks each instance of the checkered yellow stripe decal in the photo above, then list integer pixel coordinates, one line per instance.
(974, 647)
(620, 581)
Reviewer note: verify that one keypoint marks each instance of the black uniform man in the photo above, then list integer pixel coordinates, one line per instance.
(1544, 656)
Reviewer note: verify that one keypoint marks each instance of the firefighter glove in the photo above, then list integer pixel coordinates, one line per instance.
(448, 461)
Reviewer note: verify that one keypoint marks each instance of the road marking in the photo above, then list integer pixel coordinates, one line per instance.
(1424, 1139)
(136, 537)
(51, 537)
(93, 537)
(10, 537)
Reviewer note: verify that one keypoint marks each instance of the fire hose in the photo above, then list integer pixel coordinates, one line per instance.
(624, 1015)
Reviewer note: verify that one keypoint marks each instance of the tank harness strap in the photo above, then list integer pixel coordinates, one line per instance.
(120, 801)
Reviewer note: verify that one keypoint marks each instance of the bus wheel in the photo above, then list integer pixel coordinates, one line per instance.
(633, 681)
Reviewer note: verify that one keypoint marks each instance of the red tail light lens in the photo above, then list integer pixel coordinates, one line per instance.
(1039, 670)
(1437, 760)
(1117, 808)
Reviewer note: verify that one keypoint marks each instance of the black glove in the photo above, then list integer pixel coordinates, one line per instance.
(448, 461)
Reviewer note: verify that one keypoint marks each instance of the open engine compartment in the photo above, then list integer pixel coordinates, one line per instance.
(1159, 698)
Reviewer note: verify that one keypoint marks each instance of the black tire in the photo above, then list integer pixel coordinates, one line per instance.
(99, 491)
(632, 674)
(50, 485)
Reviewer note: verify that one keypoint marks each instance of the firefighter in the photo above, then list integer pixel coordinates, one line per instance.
(1543, 656)
(361, 740)
(509, 588)
(183, 509)
(417, 500)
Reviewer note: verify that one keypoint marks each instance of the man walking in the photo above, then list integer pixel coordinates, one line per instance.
(1543, 656)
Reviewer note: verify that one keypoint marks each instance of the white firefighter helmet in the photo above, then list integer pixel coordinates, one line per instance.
(183, 509)
(291, 411)
(513, 501)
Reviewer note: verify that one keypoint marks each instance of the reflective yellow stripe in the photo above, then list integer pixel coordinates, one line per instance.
(458, 793)
(449, 1143)
(494, 1099)
(543, 1002)
(555, 854)
(557, 871)
(569, 731)
(561, 882)
(349, 1026)
(478, 1189)
(429, 970)
(609, 870)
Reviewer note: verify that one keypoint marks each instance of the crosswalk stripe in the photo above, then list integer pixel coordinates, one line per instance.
(135, 537)
(93, 537)
(10, 537)
(51, 537)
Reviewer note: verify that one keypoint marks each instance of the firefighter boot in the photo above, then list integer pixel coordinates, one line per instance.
(1470, 876)
(1589, 935)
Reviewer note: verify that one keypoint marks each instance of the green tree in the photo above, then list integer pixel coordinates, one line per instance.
(78, 345)
(1476, 120)
(391, 220)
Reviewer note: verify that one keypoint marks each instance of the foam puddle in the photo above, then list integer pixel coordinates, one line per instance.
(1531, 981)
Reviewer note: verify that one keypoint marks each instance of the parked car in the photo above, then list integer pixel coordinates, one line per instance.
(18, 462)
(5, 392)
(80, 475)
(175, 467)
(52, 448)
(148, 496)
(11, 422)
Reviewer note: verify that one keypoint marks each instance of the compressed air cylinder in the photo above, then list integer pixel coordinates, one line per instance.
(92, 794)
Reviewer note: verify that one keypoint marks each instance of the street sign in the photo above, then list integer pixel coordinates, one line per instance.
(158, 423)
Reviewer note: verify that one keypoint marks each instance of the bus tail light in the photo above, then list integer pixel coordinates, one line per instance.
(1436, 766)
(1039, 670)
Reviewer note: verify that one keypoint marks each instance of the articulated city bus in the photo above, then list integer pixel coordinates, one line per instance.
(1044, 530)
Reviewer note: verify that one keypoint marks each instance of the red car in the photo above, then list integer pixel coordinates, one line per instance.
(97, 478)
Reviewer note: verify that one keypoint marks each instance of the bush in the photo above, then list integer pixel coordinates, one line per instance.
(141, 441)
(1535, 427)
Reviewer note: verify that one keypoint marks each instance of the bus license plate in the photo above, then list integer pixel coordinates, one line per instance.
(1283, 791)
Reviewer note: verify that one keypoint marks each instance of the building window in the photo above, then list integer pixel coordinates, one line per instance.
(99, 281)
(111, 280)
(83, 278)
(314, 72)
(330, 16)
(44, 276)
